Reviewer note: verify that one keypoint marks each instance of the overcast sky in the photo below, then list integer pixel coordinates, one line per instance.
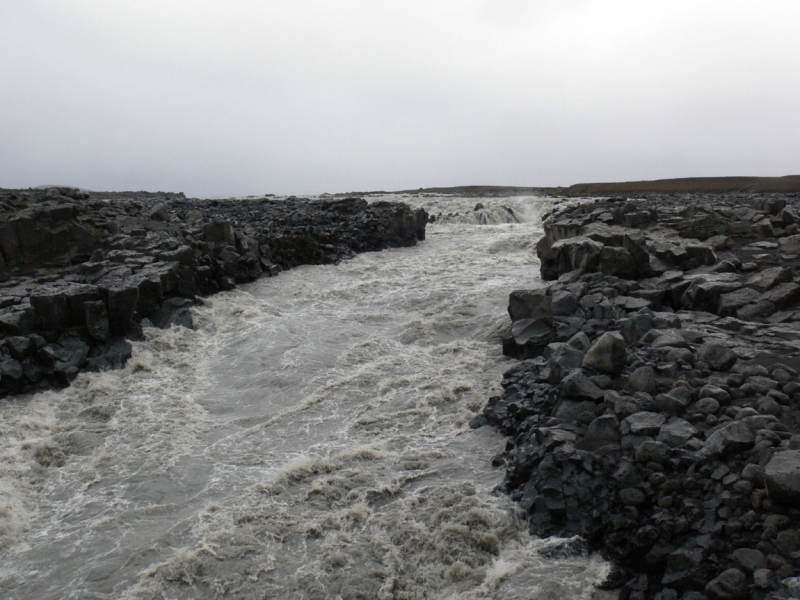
(215, 97)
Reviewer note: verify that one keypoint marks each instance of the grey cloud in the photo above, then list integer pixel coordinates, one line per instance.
(247, 97)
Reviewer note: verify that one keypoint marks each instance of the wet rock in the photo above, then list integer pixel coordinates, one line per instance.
(607, 355)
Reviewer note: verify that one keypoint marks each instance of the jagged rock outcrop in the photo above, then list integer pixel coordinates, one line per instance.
(79, 272)
(657, 413)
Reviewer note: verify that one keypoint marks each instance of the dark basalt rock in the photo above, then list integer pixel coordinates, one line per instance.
(673, 448)
(79, 272)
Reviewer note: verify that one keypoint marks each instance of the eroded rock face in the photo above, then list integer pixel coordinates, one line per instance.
(86, 270)
(679, 459)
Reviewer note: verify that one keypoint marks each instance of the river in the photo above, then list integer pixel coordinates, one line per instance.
(309, 439)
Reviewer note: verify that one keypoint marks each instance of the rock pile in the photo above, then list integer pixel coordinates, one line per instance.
(79, 272)
(656, 409)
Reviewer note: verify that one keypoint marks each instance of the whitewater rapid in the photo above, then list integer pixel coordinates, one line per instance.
(309, 439)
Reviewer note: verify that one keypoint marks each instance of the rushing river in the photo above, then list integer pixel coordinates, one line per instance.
(309, 439)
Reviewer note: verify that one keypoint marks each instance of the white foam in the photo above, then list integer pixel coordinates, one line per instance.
(310, 440)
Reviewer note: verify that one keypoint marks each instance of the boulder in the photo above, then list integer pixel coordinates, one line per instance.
(577, 253)
(121, 301)
(159, 212)
(758, 310)
(704, 292)
(789, 245)
(219, 232)
(718, 357)
(769, 278)
(642, 423)
(784, 295)
(643, 379)
(580, 341)
(731, 302)
(607, 355)
(97, 321)
(748, 559)
(782, 476)
(617, 261)
(563, 359)
(684, 569)
(17, 320)
(676, 432)
(527, 338)
(650, 450)
(529, 304)
(564, 303)
(19, 346)
(603, 431)
(729, 585)
(730, 438)
(578, 387)
(51, 309)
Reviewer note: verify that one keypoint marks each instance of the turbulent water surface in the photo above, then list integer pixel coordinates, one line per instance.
(309, 439)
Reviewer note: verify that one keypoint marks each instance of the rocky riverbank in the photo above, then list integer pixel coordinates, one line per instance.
(80, 272)
(655, 412)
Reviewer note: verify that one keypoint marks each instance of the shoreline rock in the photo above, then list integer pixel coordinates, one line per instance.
(655, 412)
(79, 272)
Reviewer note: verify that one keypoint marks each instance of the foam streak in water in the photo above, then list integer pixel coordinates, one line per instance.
(309, 440)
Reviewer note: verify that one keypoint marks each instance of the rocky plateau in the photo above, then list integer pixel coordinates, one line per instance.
(654, 414)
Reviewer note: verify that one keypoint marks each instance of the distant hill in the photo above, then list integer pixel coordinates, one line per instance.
(687, 185)
(708, 185)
